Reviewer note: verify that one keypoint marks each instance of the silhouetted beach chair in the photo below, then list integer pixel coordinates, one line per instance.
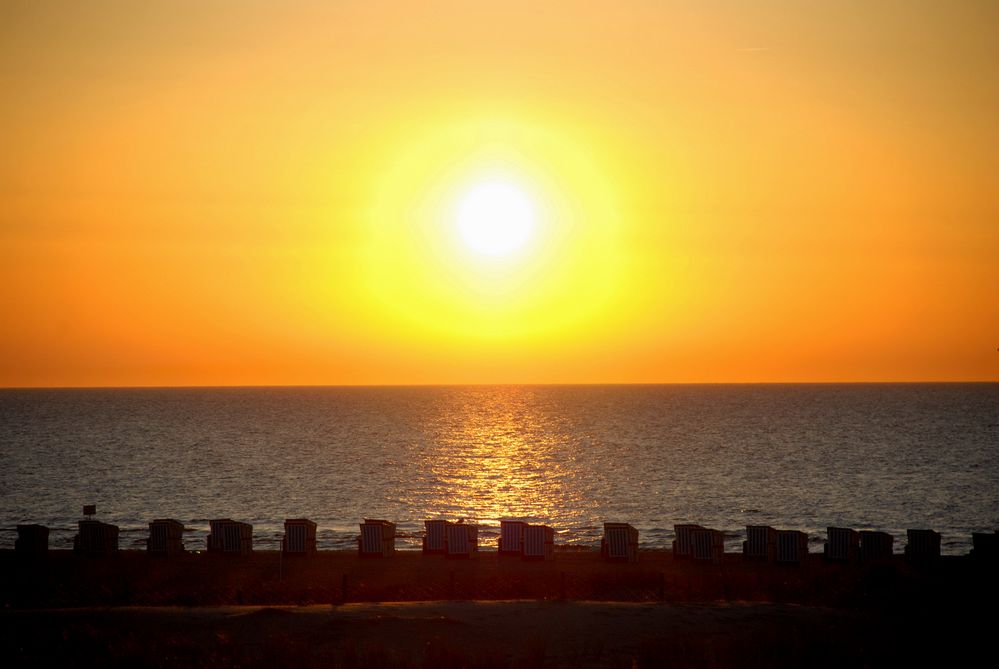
(875, 546)
(620, 543)
(32, 540)
(709, 545)
(985, 547)
(461, 540)
(166, 537)
(96, 539)
(842, 544)
(760, 543)
(792, 546)
(299, 537)
(230, 537)
(377, 539)
(511, 540)
(922, 545)
(433, 540)
(683, 544)
(539, 542)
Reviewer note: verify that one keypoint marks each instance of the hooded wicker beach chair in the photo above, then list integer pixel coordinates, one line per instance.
(792, 546)
(760, 543)
(709, 545)
(433, 539)
(922, 545)
(683, 544)
(511, 540)
(299, 537)
(32, 540)
(461, 540)
(985, 547)
(377, 539)
(96, 539)
(620, 543)
(166, 537)
(875, 546)
(230, 537)
(539, 542)
(842, 544)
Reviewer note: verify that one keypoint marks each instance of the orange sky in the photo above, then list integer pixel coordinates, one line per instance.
(258, 193)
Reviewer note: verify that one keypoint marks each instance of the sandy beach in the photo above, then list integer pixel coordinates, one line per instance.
(421, 611)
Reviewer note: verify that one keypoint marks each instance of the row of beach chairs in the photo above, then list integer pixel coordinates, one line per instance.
(521, 539)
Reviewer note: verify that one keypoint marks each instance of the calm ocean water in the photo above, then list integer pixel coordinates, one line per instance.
(880, 456)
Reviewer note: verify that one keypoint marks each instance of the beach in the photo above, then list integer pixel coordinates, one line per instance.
(411, 610)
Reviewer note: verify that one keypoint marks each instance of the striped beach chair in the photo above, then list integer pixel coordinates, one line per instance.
(166, 537)
(792, 546)
(96, 539)
(539, 542)
(922, 545)
(230, 537)
(709, 545)
(433, 539)
(683, 544)
(760, 543)
(32, 540)
(461, 540)
(511, 540)
(620, 543)
(299, 537)
(842, 544)
(377, 539)
(875, 546)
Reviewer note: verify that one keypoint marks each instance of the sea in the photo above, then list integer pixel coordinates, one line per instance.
(868, 456)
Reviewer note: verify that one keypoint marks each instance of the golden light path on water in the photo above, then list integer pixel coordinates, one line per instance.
(502, 459)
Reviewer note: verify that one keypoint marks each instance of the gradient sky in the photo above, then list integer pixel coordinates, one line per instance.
(213, 193)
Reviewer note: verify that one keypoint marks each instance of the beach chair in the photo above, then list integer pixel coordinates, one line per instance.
(230, 537)
(792, 546)
(166, 537)
(539, 542)
(461, 540)
(96, 539)
(32, 541)
(875, 546)
(985, 547)
(922, 546)
(377, 539)
(511, 540)
(708, 545)
(433, 540)
(683, 544)
(299, 537)
(620, 543)
(760, 543)
(842, 544)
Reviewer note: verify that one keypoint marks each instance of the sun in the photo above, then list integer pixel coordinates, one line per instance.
(495, 218)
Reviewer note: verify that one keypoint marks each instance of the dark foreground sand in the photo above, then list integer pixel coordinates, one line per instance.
(209, 611)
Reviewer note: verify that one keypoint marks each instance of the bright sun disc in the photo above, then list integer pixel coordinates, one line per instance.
(495, 218)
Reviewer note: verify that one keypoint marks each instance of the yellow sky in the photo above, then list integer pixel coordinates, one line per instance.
(264, 193)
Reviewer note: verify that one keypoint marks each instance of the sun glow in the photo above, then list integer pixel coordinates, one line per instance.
(495, 218)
